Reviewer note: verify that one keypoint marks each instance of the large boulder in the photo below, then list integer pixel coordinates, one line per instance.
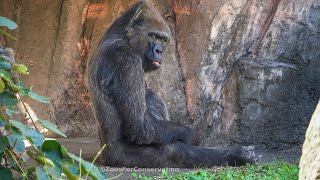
(310, 159)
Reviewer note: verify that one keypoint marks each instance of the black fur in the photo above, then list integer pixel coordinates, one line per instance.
(133, 120)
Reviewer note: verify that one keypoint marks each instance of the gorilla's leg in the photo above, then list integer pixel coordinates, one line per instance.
(174, 155)
(190, 156)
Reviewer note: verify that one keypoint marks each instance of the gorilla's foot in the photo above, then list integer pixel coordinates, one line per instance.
(245, 155)
(248, 152)
(242, 156)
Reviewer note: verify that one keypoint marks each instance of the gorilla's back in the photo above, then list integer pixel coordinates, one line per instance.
(101, 71)
(100, 79)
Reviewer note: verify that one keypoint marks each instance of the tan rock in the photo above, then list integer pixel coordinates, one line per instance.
(310, 159)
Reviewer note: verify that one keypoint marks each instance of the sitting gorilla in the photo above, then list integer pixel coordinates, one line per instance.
(133, 120)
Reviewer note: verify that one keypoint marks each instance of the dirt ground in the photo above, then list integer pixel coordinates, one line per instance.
(91, 146)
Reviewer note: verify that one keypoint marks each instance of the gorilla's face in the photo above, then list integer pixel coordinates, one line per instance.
(149, 35)
(154, 52)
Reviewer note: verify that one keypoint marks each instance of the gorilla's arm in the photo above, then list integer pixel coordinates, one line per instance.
(139, 125)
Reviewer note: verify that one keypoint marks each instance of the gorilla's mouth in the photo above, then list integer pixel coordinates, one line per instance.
(156, 63)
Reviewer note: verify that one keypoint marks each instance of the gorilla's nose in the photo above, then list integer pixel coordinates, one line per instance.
(157, 50)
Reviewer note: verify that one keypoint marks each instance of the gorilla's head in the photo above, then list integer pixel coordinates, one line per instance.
(149, 34)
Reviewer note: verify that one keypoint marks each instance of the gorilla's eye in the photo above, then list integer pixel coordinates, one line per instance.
(153, 36)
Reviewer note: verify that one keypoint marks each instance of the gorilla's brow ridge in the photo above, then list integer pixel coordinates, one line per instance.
(161, 35)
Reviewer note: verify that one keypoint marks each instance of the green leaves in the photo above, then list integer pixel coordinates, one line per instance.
(5, 173)
(10, 111)
(52, 150)
(37, 97)
(6, 82)
(54, 161)
(17, 143)
(5, 75)
(7, 23)
(8, 99)
(52, 127)
(44, 161)
(70, 170)
(2, 86)
(41, 173)
(20, 68)
(86, 167)
(34, 136)
(56, 153)
(4, 143)
(5, 65)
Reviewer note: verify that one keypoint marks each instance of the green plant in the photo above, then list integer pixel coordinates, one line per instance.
(9, 24)
(273, 171)
(52, 160)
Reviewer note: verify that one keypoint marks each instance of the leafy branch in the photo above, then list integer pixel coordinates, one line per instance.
(53, 161)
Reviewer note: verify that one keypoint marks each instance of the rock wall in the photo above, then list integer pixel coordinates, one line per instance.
(258, 81)
(240, 71)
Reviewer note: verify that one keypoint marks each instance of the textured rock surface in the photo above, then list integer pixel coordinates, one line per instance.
(50, 42)
(240, 71)
(310, 159)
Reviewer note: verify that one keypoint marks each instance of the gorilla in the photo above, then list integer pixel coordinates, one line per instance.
(133, 120)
